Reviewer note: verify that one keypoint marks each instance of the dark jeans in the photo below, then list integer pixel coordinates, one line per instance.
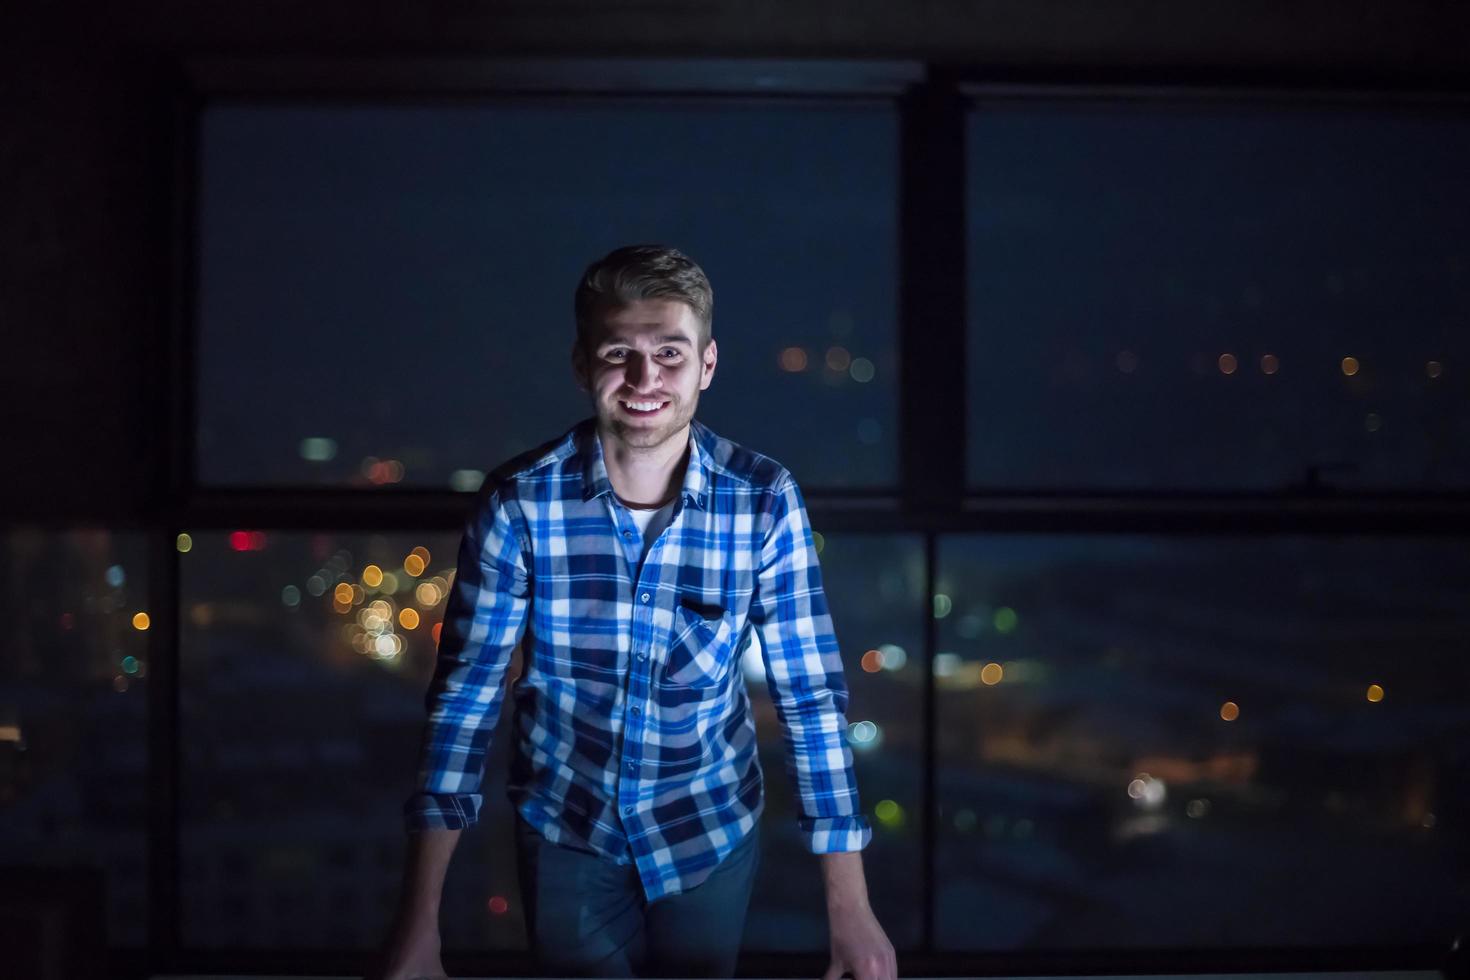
(587, 917)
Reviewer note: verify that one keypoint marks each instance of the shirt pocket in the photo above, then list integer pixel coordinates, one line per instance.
(702, 647)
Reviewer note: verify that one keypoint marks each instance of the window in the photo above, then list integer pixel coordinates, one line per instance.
(386, 292)
(1166, 742)
(1144, 742)
(305, 657)
(1197, 297)
(305, 660)
(74, 709)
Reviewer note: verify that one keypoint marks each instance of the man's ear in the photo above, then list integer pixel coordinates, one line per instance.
(710, 357)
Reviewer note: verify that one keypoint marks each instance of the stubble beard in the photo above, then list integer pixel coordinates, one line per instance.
(646, 436)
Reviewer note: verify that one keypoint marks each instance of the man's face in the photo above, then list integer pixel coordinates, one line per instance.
(645, 354)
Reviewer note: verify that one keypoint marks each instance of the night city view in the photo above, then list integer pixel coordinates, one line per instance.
(1139, 740)
(404, 278)
(1175, 647)
(1231, 299)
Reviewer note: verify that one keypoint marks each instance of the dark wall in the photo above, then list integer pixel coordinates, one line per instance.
(86, 161)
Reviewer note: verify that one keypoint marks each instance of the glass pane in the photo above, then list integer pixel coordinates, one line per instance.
(301, 717)
(1201, 297)
(875, 590)
(1202, 742)
(73, 712)
(404, 276)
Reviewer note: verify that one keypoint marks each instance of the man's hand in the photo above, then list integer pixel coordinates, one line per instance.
(411, 953)
(860, 947)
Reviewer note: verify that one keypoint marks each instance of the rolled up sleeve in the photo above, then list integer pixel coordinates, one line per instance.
(805, 678)
(484, 619)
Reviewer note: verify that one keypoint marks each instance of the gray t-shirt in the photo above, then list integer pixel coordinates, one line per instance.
(651, 524)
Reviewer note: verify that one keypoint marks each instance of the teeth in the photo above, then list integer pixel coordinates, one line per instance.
(643, 406)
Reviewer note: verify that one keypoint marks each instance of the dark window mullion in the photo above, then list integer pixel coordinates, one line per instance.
(175, 416)
(931, 337)
(163, 749)
(931, 349)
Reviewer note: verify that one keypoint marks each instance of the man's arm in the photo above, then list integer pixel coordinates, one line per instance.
(858, 944)
(842, 876)
(429, 852)
(484, 619)
(805, 678)
(412, 948)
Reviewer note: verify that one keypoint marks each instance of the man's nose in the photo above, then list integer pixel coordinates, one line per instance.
(642, 371)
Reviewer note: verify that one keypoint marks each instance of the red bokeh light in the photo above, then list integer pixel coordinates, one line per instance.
(247, 540)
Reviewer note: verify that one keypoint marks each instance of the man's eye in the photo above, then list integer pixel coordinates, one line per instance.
(617, 354)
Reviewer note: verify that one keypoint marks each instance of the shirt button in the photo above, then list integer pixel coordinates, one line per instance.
(627, 810)
(644, 597)
(627, 534)
(632, 767)
(637, 710)
(642, 655)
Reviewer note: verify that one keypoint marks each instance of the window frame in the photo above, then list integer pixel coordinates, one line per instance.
(931, 499)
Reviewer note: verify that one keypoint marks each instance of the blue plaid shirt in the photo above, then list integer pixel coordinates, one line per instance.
(634, 737)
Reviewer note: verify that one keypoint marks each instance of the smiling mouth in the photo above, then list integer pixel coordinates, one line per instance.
(640, 413)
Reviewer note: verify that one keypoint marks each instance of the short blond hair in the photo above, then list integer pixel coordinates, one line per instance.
(638, 272)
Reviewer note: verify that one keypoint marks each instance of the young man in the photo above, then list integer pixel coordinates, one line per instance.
(635, 555)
